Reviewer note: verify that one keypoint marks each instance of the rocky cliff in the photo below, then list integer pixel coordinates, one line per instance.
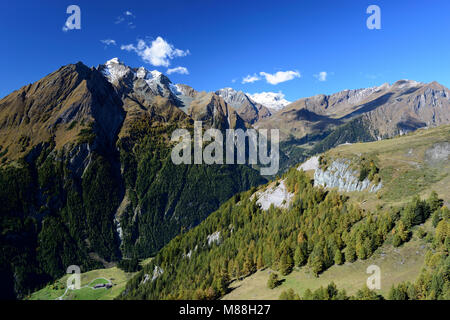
(340, 175)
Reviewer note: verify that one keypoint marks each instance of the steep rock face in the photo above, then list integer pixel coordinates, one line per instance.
(138, 83)
(58, 139)
(185, 90)
(410, 105)
(340, 175)
(249, 110)
(213, 111)
(57, 107)
(142, 89)
(185, 94)
(234, 98)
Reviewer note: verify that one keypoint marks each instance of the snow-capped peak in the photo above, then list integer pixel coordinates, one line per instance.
(141, 73)
(235, 98)
(113, 61)
(114, 70)
(176, 89)
(228, 89)
(227, 92)
(271, 100)
(156, 73)
(145, 74)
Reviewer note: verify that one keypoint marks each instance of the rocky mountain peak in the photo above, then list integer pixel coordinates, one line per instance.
(184, 89)
(248, 109)
(114, 70)
(57, 107)
(404, 83)
(235, 98)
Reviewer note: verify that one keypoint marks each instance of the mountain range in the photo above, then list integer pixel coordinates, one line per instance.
(386, 110)
(86, 176)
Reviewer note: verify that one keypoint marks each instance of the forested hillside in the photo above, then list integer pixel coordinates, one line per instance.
(86, 178)
(320, 229)
(164, 199)
(433, 283)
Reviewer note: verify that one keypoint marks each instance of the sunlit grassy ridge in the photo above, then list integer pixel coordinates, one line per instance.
(115, 276)
(409, 165)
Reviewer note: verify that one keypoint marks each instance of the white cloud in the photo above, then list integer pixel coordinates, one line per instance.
(129, 13)
(180, 70)
(158, 53)
(250, 78)
(322, 76)
(280, 76)
(128, 47)
(108, 42)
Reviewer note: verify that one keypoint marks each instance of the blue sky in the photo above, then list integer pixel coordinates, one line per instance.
(221, 42)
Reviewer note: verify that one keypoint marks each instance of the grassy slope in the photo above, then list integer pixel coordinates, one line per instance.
(396, 265)
(405, 171)
(117, 277)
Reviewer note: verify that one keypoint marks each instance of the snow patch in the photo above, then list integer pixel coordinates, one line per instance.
(176, 89)
(271, 100)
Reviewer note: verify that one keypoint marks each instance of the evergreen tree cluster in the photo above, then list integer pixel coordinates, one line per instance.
(319, 229)
(52, 217)
(434, 280)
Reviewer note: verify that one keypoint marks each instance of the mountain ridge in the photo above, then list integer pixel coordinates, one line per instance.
(86, 176)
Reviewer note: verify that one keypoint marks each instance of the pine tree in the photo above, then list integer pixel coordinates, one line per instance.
(249, 267)
(300, 258)
(289, 295)
(286, 262)
(259, 262)
(316, 264)
(434, 202)
(273, 280)
(338, 257)
(350, 253)
(436, 218)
